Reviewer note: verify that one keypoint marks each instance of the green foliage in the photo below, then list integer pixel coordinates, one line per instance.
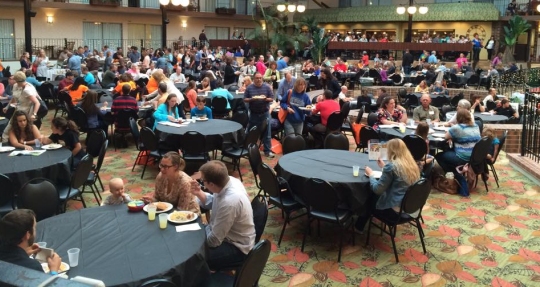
(320, 40)
(516, 26)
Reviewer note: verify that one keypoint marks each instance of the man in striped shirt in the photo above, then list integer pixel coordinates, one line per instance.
(125, 101)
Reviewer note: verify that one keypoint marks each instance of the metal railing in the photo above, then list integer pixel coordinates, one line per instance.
(530, 135)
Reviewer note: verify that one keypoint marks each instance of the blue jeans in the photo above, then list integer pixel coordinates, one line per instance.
(407, 70)
(224, 256)
(257, 120)
(292, 128)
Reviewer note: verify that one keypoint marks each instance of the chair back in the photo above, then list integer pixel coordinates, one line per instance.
(268, 180)
(79, 117)
(46, 91)
(260, 215)
(149, 139)
(241, 117)
(122, 119)
(263, 129)
(253, 266)
(8, 193)
(233, 88)
(416, 145)
(64, 97)
(252, 137)
(440, 101)
(345, 109)
(336, 140)
(101, 156)
(479, 154)
(193, 143)
(372, 119)
(292, 143)
(82, 171)
(134, 131)
(335, 121)
(186, 106)
(323, 196)
(104, 97)
(412, 100)
(455, 100)
(360, 114)
(39, 195)
(219, 105)
(313, 80)
(402, 94)
(255, 159)
(502, 140)
(419, 79)
(480, 123)
(367, 134)
(416, 196)
(95, 141)
(474, 79)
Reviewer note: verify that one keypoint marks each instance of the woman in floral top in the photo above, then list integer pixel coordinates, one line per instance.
(173, 185)
(389, 113)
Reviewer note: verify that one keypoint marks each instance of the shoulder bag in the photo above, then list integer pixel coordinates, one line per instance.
(282, 114)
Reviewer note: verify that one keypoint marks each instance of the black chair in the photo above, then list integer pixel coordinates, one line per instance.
(93, 176)
(367, 134)
(236, 153)
(478, 159)
(78, 116)
(372, 119)
(455, 100)
(473, 81)
(323, 204)
(335, 121)
(412, 102)
(491, 163)
(402, 96)
(260, 215)
(135, 132)
(46, 93)
(336, 140)
(490, 105)
(397, 79)
(94, 142)
(59, 78)
(219, 107)
(345, 109)
(65, 104)
(7, 196)
(39, 195)
(241, 117)
(377, 79)
(283, 199)
(158, 283)
(419, 79)
(249, 273)
(122, 126)
(413, 201)
(149, 147)
(193, 146)
(255, 160)
(417, 146)
(347, 124)
(312, 82)
(440, 101)
(78, 179)
(233, 88)
(480, 123)
(264, 130)
(292, 143)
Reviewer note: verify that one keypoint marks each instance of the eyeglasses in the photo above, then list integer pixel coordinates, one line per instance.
(165, 166)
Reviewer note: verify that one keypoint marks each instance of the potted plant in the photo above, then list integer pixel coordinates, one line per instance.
(221, 10)
(106, 2)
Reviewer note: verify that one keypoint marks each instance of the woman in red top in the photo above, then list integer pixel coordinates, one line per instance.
(191, 94)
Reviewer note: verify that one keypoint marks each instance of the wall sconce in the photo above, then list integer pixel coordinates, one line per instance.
(184, 25)
(50, 19)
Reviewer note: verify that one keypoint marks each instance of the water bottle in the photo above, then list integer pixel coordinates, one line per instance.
(37, 143)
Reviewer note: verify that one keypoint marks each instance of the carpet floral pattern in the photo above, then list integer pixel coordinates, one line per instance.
(489, 239)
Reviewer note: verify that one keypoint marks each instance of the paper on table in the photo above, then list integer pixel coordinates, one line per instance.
(174, 124)
(388, 126)
(188, 227)
(27, 152)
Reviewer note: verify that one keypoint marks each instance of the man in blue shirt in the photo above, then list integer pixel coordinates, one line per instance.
(432, 59)
(285, 85)
(74, 63)
(282, 63)
(221, 92)
(134, 55)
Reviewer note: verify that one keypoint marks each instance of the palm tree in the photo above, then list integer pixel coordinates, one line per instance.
(317, 35)
(516, 26)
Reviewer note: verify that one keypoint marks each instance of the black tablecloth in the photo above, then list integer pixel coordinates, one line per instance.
(52, 164)
(207, 128)
(181, 86)
(124, 248)
(485, 118)
(334, 166)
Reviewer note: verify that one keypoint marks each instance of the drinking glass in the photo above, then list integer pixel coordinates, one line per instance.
(163, 220)
(42, 244)
(37, 143)
(73, 255)
(355, 170)
(151, 209)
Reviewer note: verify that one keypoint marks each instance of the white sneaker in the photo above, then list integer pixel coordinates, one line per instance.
(270, 155)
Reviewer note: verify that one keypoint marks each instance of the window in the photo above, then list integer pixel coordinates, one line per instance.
(97, 34)
(142, 35)
(244, 7)
(247, 32)
(7, 40)
(221, 33)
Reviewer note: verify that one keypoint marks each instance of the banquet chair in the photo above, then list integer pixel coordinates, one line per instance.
(94, 142)
(419, 79)
(292, 143)
(474, 81)
(336, 140)
(193, 146)
(323, 204)
(455, 100)
(241, 117)
(78, 179)
(277, 196)
(259, 205)
(490, 105)
(249, 273)
(237, 153)
(93, 176)
(366, 134)
(491, 163)
(345, 109)
(312, 82)
(149, 147)
(65, 104)
(347, 125)
(440, 101)
(233, 88)
(264, 130)
(39, 195)
(414, 200)
(478, 159)
(480, 123)
(122, 125)
(334, 123)
(255, 159)
(219, 108)
(411, 103)
(46, 93)
(7, 196)
(372, 119)
(186, 107)
(158, 283)
(78, 116)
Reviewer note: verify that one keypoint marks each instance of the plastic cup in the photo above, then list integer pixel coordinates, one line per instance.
(402, 128)
(37, 143)
(411, 122)
(163, 220)
(428, 121)
(42, 244)
(151, 212)
(73, 255)
(355, 170)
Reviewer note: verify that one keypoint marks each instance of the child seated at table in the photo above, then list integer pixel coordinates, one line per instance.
(117, 197)
(422, 131)
(494, 148)
(201, 110)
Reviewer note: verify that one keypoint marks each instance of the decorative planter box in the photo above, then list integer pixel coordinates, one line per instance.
(226, 11)
(115, 3)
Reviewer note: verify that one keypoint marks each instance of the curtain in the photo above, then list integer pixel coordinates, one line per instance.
(112, 35)
(154, 37)
(7, 40)
(93, 35)
(136, 33)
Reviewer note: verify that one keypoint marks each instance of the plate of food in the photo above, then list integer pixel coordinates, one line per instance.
(259, 97)
(438, 135)
(6, 149)
(376, 173)
(306, 108)
(202, 119)
(161, 206)
(182, 217)
(51, 146)
(64, 267)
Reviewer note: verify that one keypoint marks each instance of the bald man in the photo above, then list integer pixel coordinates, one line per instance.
(425, 110)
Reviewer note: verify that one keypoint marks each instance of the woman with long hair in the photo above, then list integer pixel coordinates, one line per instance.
(327, 81)
(191, 94)
(168, 111)
(25, 60)
(23, 132)
(422, 87)
(389, 113)
(77, 89)
(67, 131)
(398, 174)
(272, 75)
(294, 123)
(41, 63)
(93, 113)
(160, 77)
(204, 86)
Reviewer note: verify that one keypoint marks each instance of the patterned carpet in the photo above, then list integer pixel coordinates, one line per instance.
(488, 239)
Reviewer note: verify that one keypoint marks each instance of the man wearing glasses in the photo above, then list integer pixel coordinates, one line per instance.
(230, 234)
(259, 95)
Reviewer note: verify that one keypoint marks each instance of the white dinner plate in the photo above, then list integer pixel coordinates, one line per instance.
(169, 207)
(439, 135)
(64, 267)
(202, 120)
(179, 221)
(305, 109)
(6, 148)
(441, 128)
(376, 174)
(2, 118)
(411, 127)
(51, 146)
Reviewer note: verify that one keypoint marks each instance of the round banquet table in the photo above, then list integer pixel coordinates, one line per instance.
(206, 128)
(485, 117)
(395, 133)
(334, 166)
(52, 164)
(125, 248)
